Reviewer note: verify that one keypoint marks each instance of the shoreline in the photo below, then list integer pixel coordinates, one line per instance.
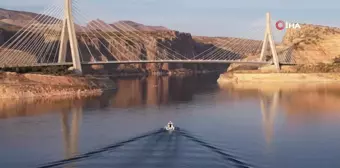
(277, 78)
(44, 86)
(38, 86)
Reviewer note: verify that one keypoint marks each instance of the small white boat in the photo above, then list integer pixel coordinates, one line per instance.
(170, 126)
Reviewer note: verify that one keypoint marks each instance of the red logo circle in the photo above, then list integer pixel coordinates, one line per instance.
(280, 25)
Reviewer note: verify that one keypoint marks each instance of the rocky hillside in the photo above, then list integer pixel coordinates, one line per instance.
(313, 43)
(15, 18)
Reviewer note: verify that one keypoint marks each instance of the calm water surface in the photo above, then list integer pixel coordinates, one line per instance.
(264, 125)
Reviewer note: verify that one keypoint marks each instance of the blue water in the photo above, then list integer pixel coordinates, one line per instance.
(302, 130)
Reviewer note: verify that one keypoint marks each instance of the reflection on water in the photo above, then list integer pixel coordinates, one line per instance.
(298, 102)
(153, 91)
(158, 90)
(131, 93)
(269, 114)
(70, 129)
(294, 99)
(287, 115)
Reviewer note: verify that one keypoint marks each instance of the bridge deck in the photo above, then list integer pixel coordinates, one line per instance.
(150, 61)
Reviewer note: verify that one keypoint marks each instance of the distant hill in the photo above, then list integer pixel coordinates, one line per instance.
(123, 26)
(18, 19)
(139, 26)
(16, 15)
(15, 18)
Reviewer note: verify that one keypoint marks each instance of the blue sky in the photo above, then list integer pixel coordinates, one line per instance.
(237, 18)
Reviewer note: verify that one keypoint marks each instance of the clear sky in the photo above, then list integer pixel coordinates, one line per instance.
(238, 18)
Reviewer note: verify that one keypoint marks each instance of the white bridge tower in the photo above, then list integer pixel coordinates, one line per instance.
(68, 34)
(268, 37)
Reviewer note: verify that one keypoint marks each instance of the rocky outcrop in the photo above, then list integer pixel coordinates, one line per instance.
(313, 43)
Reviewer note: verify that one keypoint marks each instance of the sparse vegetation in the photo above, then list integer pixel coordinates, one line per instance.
(52, 70)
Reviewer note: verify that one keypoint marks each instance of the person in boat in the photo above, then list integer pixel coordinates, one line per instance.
(170, 126)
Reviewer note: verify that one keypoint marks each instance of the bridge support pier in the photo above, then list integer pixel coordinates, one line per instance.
(268, 37)
(68, 34)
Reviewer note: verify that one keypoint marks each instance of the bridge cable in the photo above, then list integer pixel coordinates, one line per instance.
(90, 25)
(47, 45)
(236, 43)
(106, 39)
(19, 34)
(27, 26)
(134, 30)
(240, 53)
(219, 55)
(232, 54)
(24, 47)
(248, 44)
(53, 47)
(110, 43)
(89, 50)
(40, 44)
(95, 46)
(140, 36)
(101, 44)
(106, 25)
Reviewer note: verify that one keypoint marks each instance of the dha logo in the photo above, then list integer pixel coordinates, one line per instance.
(280, 25)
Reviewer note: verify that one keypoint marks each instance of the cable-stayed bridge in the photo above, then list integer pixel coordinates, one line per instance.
(52, 36)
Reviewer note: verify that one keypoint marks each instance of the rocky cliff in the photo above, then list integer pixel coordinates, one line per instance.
(313, 43)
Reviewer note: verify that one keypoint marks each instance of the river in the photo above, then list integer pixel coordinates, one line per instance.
(264, 125)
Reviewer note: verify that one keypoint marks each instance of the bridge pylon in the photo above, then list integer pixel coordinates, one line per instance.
(268, 38)
(68, 34)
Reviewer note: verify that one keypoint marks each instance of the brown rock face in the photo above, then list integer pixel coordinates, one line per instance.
(136, 45)
(313, 43)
